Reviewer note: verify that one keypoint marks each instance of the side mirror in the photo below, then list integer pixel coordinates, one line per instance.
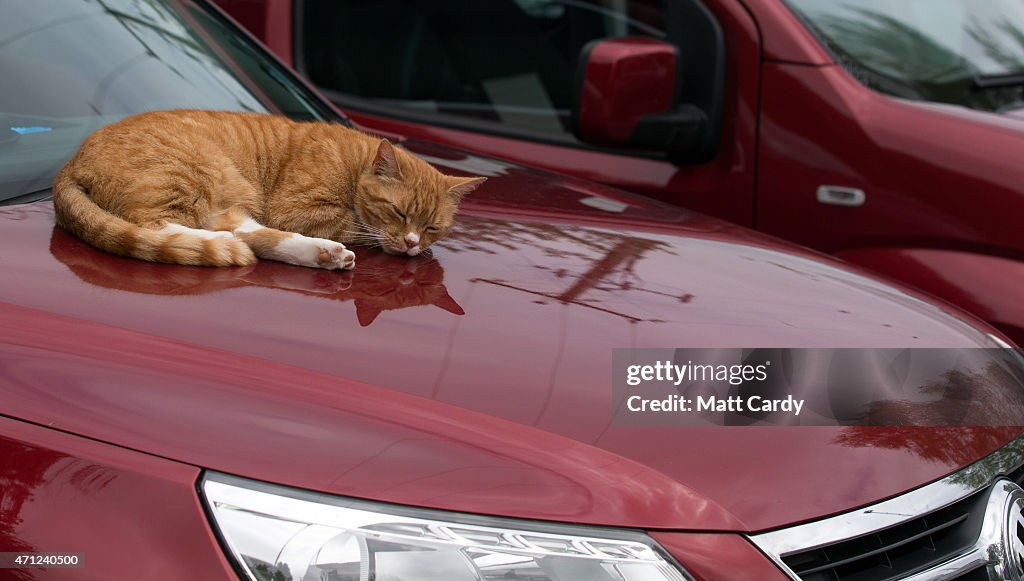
(628, 93)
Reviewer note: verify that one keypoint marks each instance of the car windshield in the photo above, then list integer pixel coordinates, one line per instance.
(965, 52)
(72, 66)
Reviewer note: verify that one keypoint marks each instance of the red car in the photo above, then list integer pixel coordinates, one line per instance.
(446, 417)
(886, 133)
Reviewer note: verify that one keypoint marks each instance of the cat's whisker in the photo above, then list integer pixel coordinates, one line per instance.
(358, 233)
(368, 226)
(364, 243)
(354, 237)
(373, 230)
(377, 235)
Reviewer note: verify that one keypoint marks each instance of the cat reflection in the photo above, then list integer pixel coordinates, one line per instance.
(381, 283)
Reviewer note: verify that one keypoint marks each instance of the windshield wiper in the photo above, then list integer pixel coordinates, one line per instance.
(1000, 81)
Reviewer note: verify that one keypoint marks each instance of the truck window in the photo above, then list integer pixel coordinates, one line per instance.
(505, 62)
(965, 52)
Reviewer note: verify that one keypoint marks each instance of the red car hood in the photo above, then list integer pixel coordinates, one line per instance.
(476, 379)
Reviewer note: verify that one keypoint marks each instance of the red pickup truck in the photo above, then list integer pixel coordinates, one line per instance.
(880, 132)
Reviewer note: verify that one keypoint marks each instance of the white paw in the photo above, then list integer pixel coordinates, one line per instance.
(333, 256)
(316, 253)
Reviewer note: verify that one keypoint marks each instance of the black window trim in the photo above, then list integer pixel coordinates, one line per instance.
(450, 121)
(445, 120)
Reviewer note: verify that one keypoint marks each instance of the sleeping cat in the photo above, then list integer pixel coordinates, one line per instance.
(221, 189)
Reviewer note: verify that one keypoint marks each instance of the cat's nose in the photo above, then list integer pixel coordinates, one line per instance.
(411, 240)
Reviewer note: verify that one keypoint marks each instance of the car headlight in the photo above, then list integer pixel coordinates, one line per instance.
(279, 533)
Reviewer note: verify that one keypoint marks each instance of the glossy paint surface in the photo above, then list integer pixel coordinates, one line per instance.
(131, 516)
(625, 79)
(983, 284)
(783, 38)
(943, 183)
(270, 20)
(940, 181)
(711, 556)
(475, 379)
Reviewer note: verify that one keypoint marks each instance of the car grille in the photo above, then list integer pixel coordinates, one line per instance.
(900, 551)
(903, 550)
(961, 527)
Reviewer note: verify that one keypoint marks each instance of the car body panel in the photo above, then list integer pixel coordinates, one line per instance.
(706, 555)
(899, 153)
(946, 274)
(121, 510)
(476, 379)
(270, 20)
(924, 191)
(783, 37)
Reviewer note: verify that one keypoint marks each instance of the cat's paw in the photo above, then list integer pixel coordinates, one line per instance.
(333, 256)
(312, 252)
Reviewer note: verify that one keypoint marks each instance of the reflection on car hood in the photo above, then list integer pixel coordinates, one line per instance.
(477, 378)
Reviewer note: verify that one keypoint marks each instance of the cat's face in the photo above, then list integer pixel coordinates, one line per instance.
(404, 205)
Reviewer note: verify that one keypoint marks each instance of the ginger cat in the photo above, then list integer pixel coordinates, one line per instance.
(220, 189)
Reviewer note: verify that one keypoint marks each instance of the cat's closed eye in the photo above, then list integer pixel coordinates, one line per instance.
(432, 229)
(398, 212)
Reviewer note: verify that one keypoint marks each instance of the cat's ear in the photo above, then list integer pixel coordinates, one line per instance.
(448, 303)
(366, 312)
(462, 186)
(385, 164)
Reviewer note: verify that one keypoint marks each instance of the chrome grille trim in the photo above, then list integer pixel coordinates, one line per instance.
(901, 509)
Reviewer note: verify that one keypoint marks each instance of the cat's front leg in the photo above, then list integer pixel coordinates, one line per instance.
(288, 247)
(299, 250)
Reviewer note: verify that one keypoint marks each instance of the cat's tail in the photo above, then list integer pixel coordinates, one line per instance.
(77, 212)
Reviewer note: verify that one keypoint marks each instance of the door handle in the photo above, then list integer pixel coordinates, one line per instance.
(841, 196)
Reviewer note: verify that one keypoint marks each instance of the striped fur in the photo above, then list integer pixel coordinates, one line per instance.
(158, 186)
(78, 213)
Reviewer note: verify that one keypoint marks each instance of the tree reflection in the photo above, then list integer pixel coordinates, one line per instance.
(978, 411)
(902, 57)
(23, 470)
(989, 396)
(595, 264)
(494, 235)
(1007, 50)
(948, 445)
